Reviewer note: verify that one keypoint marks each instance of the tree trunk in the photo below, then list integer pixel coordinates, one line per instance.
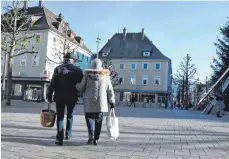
(9, 82)
(9, 74)
(182, 90)
(186, 80)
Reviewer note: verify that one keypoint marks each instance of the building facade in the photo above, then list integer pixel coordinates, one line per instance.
(52, 33)
(143, 70)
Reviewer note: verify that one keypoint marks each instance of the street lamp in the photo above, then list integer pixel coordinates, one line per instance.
(98, 41)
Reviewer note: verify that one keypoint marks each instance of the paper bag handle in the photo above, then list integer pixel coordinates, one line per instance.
(112, 111)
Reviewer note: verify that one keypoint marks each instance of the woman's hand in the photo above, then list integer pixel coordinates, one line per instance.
(112, 106)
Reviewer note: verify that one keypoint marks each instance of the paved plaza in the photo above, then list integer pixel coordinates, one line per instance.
(145, 133)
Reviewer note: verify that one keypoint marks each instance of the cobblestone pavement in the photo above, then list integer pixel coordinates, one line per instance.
(145, 133)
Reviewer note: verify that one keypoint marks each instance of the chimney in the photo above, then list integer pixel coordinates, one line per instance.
(25, 5)
(143, 35)
(124, 33)
(61, 17)
(40, 4)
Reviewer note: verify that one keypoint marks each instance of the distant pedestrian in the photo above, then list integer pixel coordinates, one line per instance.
(39, 95)
(132, 100)
(98, 94)
(219, 103)
(63, 82)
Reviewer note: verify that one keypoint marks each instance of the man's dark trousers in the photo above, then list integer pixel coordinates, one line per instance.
(132, 103)
(60, 108)
(94, 120)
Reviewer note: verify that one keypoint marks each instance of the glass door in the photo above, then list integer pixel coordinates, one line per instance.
(31, 91)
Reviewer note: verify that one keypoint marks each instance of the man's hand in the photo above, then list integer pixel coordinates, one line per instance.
(112, 106)
(49, 100)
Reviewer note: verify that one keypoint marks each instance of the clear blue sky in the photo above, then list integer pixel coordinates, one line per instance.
(176, 28)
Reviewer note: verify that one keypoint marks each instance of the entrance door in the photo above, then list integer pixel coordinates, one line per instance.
(31, 91)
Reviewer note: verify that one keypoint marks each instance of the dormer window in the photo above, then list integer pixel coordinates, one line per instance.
(146, 53)
(105, 54)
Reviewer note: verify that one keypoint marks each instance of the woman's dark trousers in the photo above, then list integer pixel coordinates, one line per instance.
(94, 124)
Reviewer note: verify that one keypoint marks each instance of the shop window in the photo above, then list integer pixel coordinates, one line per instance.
(16, 90)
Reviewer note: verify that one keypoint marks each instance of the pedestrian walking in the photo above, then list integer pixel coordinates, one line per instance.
(132, 99)
(39, 95)
(63, 82)
(219, 103)
(98, 93)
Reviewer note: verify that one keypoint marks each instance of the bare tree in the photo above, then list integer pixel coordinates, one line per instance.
(15, 25)
(186, 76)
(62, 45)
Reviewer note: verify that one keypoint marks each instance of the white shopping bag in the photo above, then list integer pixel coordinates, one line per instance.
(112, 125)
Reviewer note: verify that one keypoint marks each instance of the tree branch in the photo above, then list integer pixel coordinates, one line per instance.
(25, 52)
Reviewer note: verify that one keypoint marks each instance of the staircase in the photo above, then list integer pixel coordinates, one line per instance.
(215, 84)
(225, 85)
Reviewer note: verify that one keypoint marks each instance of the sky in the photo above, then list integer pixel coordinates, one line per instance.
(176, 28)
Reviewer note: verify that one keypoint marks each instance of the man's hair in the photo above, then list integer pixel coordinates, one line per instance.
(67, 56)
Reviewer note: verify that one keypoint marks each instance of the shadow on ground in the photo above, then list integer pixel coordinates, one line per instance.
(35, 108)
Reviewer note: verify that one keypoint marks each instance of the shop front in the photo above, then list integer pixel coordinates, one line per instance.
(27, 88)
(153, 97)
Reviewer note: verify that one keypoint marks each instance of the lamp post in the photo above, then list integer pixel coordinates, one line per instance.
(98, 41)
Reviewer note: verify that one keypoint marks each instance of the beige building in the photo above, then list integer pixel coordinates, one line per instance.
(143, 70)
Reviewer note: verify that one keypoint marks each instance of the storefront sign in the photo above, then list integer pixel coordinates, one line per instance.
(16, 74)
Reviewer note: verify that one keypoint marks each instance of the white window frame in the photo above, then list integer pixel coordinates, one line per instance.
(37, 34)
(23, 58)
(156, 66)
(133, 64)
(157, 78)
(105, 54)
(147, 65)
(146, 53)
(120, 66)
(145, 77)
(134, 77)
(121, 76)
(37, 62)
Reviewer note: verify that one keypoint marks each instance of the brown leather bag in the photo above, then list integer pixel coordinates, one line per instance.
(47, 117)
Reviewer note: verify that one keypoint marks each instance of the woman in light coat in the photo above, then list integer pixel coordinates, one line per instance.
(98, 93)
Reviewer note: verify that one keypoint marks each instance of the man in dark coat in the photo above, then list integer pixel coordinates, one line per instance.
(132, 99)
(63, 82)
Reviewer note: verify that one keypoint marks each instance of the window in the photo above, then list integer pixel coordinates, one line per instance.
(121, 66)
(38, 38)
(105, 54)
(121, 79)
(157, 80)
(16, 90)
(145, 80)
(87, 58)
(158, 66)
(146, 53)
(23, 60)
(54, 40)
(35, 60)
(82, 57)
(133, 66)
(145, 66)
(132, 80)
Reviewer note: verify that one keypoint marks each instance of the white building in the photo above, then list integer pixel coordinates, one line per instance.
(33, 71)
